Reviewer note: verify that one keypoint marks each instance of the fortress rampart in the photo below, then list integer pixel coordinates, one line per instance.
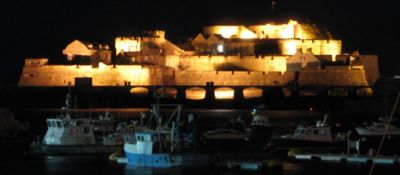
(143, 75)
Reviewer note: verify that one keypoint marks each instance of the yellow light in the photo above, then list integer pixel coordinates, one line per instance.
(286, 32)
(224, 93)
(252, 92)
(195, 93)
(139, 91)
(333, 57)
(247, 34)
(290, 47)
(292, 22)
(227, 31)
(102, 65)
(127, 45)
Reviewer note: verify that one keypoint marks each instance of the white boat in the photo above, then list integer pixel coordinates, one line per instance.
(312, 136)
(67, 135)
(378, 129)
(74, 136)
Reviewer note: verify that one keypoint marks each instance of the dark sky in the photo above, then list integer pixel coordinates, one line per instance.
(43, 28)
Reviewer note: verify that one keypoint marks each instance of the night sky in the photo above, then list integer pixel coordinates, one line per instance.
(43, 28)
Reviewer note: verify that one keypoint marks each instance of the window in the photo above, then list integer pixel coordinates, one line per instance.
(86, 130)
(48, 124)
(322, 132)
(309, 132)
(59, 124)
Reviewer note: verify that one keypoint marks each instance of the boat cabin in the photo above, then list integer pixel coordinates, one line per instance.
(68, 132)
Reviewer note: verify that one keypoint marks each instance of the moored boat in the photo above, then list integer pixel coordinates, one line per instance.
(378, 129)
(320, 135)
(67, 135)
(160, 143)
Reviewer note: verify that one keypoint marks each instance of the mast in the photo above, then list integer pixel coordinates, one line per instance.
(67, 103)
(273, 7)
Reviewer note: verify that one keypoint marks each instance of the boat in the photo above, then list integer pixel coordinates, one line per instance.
(224, 136)
(159, 143)
(260, 127)
(258, 130)
(67, 135)
(378, 129)
(311, 136)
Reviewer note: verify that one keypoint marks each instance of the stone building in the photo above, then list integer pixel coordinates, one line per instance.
(252, 56)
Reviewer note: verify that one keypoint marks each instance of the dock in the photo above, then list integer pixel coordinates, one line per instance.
(349, 158)
(245, 165)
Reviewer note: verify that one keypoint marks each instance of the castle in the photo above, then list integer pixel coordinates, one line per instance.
(251, 57)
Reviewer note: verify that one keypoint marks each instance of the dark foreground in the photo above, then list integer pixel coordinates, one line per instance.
(14, 161)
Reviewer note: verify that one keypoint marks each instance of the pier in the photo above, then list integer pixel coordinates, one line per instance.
(348, 158)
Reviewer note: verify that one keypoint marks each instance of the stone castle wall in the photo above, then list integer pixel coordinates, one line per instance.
(213, 63)
(134, 75)
(60, 75)
(232, 78)
(333, 77)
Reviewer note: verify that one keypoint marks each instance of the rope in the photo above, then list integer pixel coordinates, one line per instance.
(384, 133)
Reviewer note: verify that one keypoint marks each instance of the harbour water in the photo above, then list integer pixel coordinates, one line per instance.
(83, 165)
(16, 162)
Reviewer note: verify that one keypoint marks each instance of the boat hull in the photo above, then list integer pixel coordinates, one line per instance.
(367, 132)
(162, 160)
(74, 149)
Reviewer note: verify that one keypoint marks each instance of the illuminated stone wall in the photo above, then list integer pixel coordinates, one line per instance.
(371, 66)
(318, 47)
(230, 31)
(60, 75)
(138, 76)
(333, 77)
(127, 44)
(232, 78)
(212, 63)
(275, 30)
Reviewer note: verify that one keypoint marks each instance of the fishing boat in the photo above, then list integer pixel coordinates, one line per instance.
(67, 135)
(258, 130)
(160, 142)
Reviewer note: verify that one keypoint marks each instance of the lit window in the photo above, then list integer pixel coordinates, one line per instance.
(220, 48)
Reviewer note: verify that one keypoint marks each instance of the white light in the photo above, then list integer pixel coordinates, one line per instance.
(220, 48)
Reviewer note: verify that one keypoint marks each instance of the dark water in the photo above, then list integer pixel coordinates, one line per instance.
(14, 161)
(99, 165)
